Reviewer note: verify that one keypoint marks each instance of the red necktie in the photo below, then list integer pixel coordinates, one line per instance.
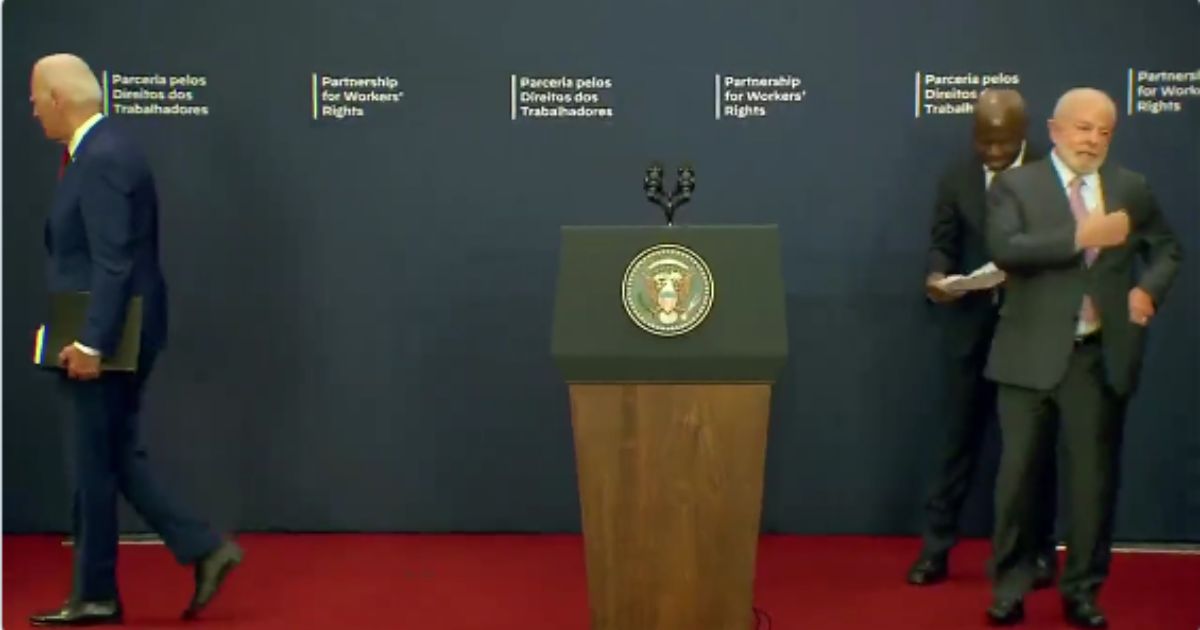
(66, 159)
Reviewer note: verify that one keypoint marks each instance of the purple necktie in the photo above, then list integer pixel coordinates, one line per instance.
(1079, 209)
(1087, 313)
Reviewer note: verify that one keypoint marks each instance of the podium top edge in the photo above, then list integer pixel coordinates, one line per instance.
(712, 381)
(701, 226)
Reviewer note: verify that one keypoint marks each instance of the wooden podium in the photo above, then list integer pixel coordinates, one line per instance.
(670, 431)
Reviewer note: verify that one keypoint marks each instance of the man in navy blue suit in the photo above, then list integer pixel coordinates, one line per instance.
(102, 238)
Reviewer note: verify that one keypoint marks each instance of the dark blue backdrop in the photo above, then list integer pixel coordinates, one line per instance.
(361, 310)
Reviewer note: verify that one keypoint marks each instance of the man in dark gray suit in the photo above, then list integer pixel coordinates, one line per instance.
(1068, 346)
(956, 246)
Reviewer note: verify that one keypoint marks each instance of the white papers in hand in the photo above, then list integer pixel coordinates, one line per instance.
(985, 277)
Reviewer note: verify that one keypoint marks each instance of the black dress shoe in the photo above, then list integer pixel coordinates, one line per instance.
(211, 571)
(1044, 571)
(1006, 612)
(80, 614)
(927, 571)
(1082, 612)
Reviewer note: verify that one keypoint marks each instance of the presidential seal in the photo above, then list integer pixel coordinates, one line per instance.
(668, 290)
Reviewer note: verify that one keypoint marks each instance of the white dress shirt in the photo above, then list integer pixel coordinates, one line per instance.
(1093, 197)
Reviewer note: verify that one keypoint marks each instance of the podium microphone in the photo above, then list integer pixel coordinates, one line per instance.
(653, 186)
(684, 185)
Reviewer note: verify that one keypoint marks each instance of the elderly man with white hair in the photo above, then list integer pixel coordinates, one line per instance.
(102, 240)
(1069, 232)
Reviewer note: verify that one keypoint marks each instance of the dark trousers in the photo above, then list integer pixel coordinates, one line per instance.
(108, 458)
(1090, 418)
(971, 408)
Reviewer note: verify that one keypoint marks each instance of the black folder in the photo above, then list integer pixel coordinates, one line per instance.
(68, 312)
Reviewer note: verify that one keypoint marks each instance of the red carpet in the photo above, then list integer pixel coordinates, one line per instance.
(375, 582)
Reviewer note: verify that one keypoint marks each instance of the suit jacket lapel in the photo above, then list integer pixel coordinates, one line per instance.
(1112, 192)
(1111, 188)
(1058, 206)
(975, 198)
(66, 185)
(63, 191)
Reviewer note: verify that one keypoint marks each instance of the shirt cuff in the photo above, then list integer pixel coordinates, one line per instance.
(86, 350)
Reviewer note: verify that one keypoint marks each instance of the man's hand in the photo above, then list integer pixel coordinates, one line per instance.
(1141, 306)
(80, 365)
(1102, 230)
(938, 294)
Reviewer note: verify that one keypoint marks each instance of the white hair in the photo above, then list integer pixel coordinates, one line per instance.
(1077, 95)
(71, 79)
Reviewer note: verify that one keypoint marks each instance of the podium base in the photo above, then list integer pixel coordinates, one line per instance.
(670, 485)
